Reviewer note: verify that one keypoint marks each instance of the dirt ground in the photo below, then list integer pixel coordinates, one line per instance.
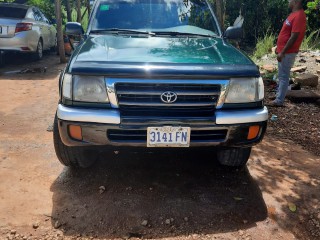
(299, 120)
(164, 195)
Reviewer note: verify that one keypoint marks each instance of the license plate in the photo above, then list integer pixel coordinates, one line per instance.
(168, 136)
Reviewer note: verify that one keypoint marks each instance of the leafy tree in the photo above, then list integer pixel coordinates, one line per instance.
(313, 13)
(57, 5)
(68, 7)
(260, 16)
(263, 16)
(47, 6)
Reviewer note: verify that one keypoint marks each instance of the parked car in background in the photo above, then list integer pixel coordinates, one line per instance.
(25, 29)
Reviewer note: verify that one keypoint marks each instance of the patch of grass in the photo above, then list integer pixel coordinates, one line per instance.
(84, 21)
(312, 41)
(270, 75)
(264, 46)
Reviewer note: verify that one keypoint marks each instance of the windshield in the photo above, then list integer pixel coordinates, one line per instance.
(186, 16)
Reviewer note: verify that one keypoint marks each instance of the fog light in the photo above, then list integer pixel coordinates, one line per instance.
(75, 132)
(253, 132)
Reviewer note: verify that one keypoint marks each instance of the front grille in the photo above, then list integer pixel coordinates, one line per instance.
(181, 112)
(127, 135)
(117, 135)
(144, 99)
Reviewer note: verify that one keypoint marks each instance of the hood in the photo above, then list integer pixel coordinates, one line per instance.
(109, 48)
(128, 56)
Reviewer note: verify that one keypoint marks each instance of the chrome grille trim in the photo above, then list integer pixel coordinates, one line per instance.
(132, 103)
(112, 94)
(180, 92)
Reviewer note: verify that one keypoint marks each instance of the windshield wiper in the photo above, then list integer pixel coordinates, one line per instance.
(174, 34)
(121, 31)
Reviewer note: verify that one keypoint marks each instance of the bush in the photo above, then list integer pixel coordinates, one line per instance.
(264, 46)
(46, 6)
(311, 42)
(260, 17)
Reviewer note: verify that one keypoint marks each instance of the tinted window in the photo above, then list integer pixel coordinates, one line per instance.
(44, 18)
(153, 15)
(12, 12)
(37, 15)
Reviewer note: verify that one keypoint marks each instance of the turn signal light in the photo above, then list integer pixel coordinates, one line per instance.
(75, 132)
(20, 27)
(253, 132)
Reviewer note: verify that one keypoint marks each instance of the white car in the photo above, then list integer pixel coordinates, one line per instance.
(25, 29)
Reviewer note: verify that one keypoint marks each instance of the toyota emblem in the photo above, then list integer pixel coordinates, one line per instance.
(169, 97)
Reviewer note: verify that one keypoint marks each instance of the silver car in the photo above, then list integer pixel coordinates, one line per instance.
(25, 29)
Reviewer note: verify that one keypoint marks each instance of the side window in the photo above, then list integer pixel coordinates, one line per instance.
(44, 18)
(37, 15)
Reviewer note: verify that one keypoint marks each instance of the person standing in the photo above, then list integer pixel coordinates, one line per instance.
(288, 45)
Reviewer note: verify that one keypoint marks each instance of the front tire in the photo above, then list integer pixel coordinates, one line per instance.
(74, 157)
(234, 157)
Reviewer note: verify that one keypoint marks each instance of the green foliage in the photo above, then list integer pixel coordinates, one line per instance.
(311, 42)
(313, 14)
(84, 21)
(267, 15)
(264, 46)
(260, 16)
(47, 6)
(270, 75)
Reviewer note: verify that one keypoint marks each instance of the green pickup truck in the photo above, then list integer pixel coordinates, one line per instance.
(158, 74)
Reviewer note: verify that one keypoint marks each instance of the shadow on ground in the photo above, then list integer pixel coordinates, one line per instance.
(289, 175)
(176, 193)
(22, 66)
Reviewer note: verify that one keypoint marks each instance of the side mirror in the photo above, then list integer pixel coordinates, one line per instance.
(74, 28)
(233, 33)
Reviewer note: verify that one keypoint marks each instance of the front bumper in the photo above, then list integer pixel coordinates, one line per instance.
(105, 127)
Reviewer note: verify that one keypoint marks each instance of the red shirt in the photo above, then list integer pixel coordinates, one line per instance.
(295, 23)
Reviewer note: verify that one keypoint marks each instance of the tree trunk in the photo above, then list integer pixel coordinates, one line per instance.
(89, 8)
(220, 12)
(69, 10)
(79, 11)
(60, 32)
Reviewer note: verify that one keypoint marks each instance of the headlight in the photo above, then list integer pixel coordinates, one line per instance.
(85, 88)
(89, 89)
(67, 86)
(245, 90)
